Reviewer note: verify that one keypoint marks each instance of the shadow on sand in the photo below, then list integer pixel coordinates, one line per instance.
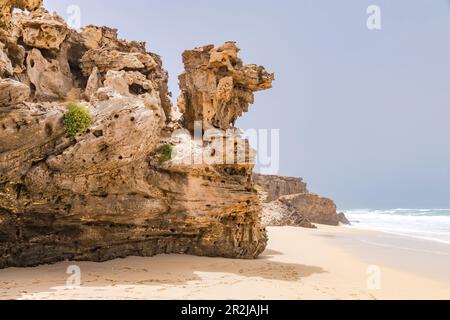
(167, 270)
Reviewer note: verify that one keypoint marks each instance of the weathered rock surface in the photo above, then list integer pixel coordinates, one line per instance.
(41, 30)
(7, 7)
(52, 79)
(315, 208)
(112, 60)
(295, 204)
(106, 194)
(279, 214)
(277, 186)
(106, 53)
(217, 88)
(6, 68)
(343, 219)
(12, 92)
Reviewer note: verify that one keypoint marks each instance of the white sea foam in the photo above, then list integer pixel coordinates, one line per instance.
(430, 224)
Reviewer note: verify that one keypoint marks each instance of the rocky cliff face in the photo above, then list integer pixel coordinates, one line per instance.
(315, 208)
(287, 202)
(277, 186)
(279, 214)
(106, 193)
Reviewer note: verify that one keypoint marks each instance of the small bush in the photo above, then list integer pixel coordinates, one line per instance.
(165, 153)
(77, 120)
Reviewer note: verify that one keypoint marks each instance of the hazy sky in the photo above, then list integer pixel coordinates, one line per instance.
(364, 115)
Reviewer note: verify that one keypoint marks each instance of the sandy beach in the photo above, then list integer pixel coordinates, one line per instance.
(328, 263)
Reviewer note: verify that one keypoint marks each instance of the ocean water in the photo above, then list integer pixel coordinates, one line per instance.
(430, 224)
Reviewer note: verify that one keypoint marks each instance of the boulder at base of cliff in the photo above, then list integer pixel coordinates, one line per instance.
(317, 209)
(277, 186)
(278, 214)
(343, 219)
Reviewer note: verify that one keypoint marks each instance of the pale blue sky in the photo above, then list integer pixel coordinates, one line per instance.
(364, 115)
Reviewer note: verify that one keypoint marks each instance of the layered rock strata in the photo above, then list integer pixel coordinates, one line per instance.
(277, 186)
(106, 193)
(287, 202)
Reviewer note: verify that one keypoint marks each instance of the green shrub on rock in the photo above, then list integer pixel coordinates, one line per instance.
(165, 153)
(77, 120)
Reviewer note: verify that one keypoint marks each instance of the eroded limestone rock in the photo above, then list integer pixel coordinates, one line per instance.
(106, 52)
(12, 54)
(12, 58)
(94, 37)
(217, 88)
(277, 186)
(7, 7)
(315, 208)
(106, 194)
(113, 60)
(287, 202)
(52, 79)
(125, 81)
(42, 30)
(278, 214)
(93, 84)
(13, 92)
(6, 68)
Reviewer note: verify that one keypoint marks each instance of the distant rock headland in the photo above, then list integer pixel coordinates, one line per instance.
(287, 202)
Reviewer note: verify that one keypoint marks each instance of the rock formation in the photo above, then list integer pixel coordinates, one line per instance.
(106, 193)
(315, 208)
(280, 186)
(12, 92)
(287, 202)
(279, 214)
(7, 7)
(217, 88)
